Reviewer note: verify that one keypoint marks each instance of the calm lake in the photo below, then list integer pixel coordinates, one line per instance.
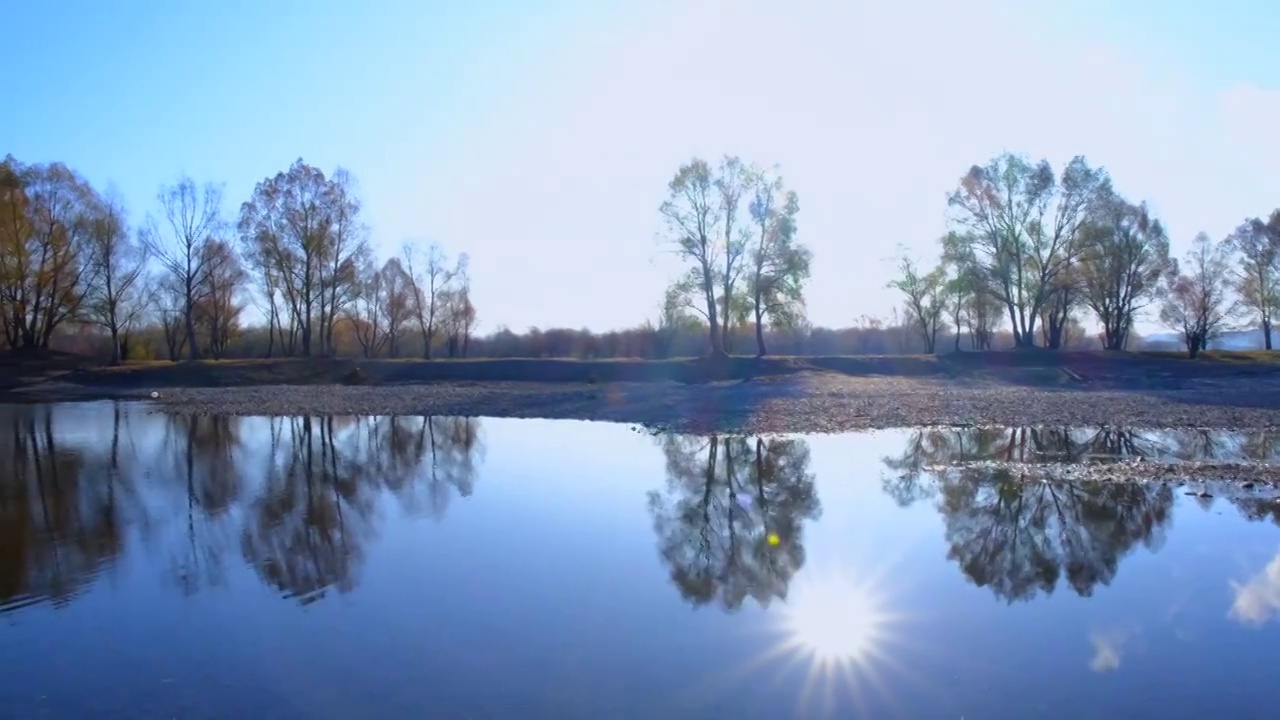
(214, 567)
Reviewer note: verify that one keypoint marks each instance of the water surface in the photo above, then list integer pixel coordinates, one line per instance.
(165, 566)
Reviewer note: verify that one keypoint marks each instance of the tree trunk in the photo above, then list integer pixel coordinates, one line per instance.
(271, 333)
(708, 290)
(193, 350)
(1266, 333)
(760, 349)
(1054, 339)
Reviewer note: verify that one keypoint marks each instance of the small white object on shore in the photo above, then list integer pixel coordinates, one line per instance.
(154, 394)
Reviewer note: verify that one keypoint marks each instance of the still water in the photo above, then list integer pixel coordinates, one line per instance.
(162, 566)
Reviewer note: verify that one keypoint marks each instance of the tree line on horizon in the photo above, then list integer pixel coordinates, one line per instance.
(183, 277)
(1044, 250)
(1038, 250)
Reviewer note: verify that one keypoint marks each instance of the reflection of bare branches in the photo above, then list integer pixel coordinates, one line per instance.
(303, 533)
(1258, 508)
(933, 446)
(58, 530)
(439, 453)
(203, 450)
(730, 522)
(454, 444)
(307, 529)
(301, 520)
(1019, 537)
(931, 449)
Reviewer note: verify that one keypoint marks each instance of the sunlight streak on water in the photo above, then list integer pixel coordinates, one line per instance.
(841, 631)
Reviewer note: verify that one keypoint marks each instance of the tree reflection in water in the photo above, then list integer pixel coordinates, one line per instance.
(307, 529)
(300, 509)
(1264, 506)
(1020, 537)
(62, 511)
(202, 458)
(720, 547)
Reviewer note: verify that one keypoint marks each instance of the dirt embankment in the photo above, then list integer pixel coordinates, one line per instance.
(742, 394)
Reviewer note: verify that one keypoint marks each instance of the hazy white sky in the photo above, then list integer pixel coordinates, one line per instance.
(539, 137)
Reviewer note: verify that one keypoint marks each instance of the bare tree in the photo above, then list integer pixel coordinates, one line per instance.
(1123, 259)
(692, 213)
(1256, 247)
(1020, 225)
(459, 313)
(428, 278)
(779, 266)
(220, 305)
(732, 182)
(1061, 298)
(346, 242)
(190, 217)
(1198, 302)
(925, 301)
(167, 299)
(955, 296)
(114, 299)
(970, 290)
(304, 229)
(367, 312)
(397, 298)
(268, 299)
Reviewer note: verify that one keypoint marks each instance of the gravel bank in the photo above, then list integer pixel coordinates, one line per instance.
(807, 402)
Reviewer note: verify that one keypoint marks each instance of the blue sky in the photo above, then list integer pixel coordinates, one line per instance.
(539, 136)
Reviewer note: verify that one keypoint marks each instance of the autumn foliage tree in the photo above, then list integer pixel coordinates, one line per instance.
(46, 213)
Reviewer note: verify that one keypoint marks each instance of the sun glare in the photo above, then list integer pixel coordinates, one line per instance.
(839, 630)
(835, 621)
(844, 638)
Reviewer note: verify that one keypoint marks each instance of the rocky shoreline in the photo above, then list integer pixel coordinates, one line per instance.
(800, 403)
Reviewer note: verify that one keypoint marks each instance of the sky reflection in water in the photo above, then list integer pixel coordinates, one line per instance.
(387, 567)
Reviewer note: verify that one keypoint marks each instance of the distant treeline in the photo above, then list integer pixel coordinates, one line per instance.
(869, 337)
(1031, 258)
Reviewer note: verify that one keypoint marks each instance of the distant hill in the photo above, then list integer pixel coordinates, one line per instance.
(1231, 340)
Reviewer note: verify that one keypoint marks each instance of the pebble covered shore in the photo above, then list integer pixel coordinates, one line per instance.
(804, 403)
